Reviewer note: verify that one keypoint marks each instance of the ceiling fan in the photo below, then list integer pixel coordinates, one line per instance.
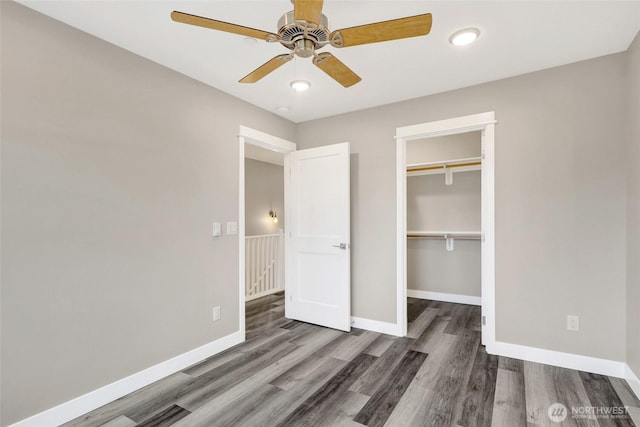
(305, 29)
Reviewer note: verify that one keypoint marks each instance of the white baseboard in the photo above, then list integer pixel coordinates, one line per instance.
(375, 326)
(439, 296)
(557, 358)
(88, 402)
(633, 380)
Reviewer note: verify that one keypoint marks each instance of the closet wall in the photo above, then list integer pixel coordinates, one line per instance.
(434, 206)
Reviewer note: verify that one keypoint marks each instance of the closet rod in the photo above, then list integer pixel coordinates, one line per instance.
(418, 236)
(428, 168)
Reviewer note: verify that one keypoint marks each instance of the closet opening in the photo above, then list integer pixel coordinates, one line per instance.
(443, 219)
(445, 225)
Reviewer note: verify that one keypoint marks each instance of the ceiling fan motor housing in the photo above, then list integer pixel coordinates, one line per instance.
(301, 36)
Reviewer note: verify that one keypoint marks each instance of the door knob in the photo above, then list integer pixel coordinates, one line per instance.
(342, 246)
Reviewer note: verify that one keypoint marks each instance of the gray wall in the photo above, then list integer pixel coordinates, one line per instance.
(450, 147)
(633, 210)
(560, 201)
(433, 206)
(264, 191)
(113, 169)
(430, 267)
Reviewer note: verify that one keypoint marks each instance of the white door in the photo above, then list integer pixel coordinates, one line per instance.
(317, 199)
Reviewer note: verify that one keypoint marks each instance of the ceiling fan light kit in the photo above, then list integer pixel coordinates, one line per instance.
(300, 85)
(464, 37)
(305, 29)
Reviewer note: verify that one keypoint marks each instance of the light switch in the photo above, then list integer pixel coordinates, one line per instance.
(216, 231)
(232, 228)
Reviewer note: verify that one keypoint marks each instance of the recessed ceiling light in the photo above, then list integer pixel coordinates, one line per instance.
(464, 37)
(283, 109)
(300, 85)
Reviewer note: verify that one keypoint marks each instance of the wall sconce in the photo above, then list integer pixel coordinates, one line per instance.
(273, 216)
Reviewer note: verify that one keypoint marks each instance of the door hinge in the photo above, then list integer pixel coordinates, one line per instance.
(484, 320)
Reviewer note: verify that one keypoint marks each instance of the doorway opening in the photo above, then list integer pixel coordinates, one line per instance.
(430, 157)
(265, 219)
(261, 215)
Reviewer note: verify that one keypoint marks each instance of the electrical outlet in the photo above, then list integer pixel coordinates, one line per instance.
(216, 313)
(573, 323)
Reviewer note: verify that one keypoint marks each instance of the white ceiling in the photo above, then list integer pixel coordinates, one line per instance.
(516, 37)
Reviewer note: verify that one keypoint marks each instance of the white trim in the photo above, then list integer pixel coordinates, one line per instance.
(264, 140)
(241, 238)
(446, 127)
(401, 236)
(88, 402)
(288, 309)
(484, 122)
(557, 358)
(440, 296)
(375, 326)
(488, 247)
(632, 380)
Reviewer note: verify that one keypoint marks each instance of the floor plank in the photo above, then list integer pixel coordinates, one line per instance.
(312, 410)
(380, 371)
(121, 421)
(477, 403)
(448, 389)
(384, 400)
(509, 407)
(165, 418)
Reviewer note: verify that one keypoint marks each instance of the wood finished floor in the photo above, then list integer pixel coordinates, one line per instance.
(290, 373)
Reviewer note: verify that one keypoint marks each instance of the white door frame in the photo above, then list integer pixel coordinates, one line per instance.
(484, 122)
(247, 135)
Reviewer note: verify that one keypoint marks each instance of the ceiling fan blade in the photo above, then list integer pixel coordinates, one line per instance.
(336, 69)
(266, 68)
(402, 28)
(308, 10)
(200, 21)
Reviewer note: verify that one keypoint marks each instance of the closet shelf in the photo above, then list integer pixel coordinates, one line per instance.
(456, 165)
(462, 235)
